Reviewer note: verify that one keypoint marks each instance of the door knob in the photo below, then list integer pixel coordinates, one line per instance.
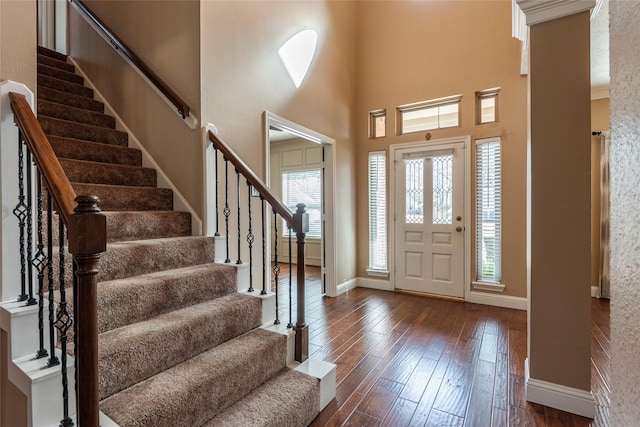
(458, 229)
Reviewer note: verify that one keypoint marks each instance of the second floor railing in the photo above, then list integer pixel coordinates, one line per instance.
(296, 222)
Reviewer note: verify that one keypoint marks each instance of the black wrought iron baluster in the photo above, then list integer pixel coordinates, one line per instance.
(40, 263)
(250, 238)
(239, 261)
(29, 231)
(53, 359)
(20, 211)
(75, 329)
(217, 212)
(64, 321)
(290, 324)
(264, 250)
(276, 265)
(226, 210)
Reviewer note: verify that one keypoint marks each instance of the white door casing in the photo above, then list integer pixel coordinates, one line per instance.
(430, 217)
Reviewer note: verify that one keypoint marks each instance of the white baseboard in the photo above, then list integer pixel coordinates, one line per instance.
(380, 284)
(346, 286)
(557, 396)
(595, 292)
(507, 301)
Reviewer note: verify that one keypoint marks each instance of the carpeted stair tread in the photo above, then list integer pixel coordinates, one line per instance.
(135, 299)
(51, 53)
(191, 393)
(45, 70)
(124, 226)
(61, 97)
(56, 63)
(65, 86)
(70, 129)
(137, 257)
(106, 173)
(289, 399)
(153, 345)
(70, 148)
(128, 198)
(78, 115)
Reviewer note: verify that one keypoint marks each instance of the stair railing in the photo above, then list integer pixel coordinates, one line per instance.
(297, 222)
(86, 235)
(168, 94)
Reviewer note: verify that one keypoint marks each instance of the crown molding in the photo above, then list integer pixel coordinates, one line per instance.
(537, 11)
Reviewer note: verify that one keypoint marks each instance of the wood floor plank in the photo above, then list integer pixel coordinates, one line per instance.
(478, 412)
(400, 413)
(439, 419)
(405, 360)
(380, 398)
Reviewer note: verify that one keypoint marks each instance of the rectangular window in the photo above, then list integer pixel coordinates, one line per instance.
(429, 115)
(378, 124)
(304, 187)
(377, 211)
(488, 210)
(487, 106)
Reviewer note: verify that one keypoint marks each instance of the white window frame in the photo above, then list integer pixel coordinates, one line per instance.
(428, 105)
(484, 198)
(373, 116)
(378, 221)
(487, 94)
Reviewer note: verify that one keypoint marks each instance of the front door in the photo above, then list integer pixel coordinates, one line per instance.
(429, 223)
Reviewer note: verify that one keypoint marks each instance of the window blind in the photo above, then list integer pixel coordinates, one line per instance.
(377, 211)
(304, 187)
(488, 210)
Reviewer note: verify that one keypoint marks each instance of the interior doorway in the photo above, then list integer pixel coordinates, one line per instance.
(300, 168)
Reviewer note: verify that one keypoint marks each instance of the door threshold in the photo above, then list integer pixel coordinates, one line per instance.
(428, 295)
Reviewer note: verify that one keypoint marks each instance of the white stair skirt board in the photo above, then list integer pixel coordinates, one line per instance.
(595, 292)
(326, 373)
(557, 396)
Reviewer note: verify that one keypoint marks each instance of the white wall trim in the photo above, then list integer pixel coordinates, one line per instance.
(537, 11)
(599, 93)
(558, 396)
(179, 202)
(595, 292)
(506, 301)
(346, 286)
(367, 282)
(488, 286)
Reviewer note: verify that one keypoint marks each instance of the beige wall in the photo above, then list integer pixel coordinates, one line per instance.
(560, 311)
(625, 215)
(18, 41)
(599, 122)
(414, 51)
(166, 35)
(242, 76)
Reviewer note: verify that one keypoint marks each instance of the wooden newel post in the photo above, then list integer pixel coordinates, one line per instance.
(301, 227)
(87, 230)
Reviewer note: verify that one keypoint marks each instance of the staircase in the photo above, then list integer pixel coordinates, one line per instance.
(178, 345)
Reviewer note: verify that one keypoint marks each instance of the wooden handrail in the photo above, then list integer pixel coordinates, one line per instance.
(118, 44)
(253, 179)
(56, 180)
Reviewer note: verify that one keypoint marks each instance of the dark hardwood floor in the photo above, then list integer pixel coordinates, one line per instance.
(406, 360)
